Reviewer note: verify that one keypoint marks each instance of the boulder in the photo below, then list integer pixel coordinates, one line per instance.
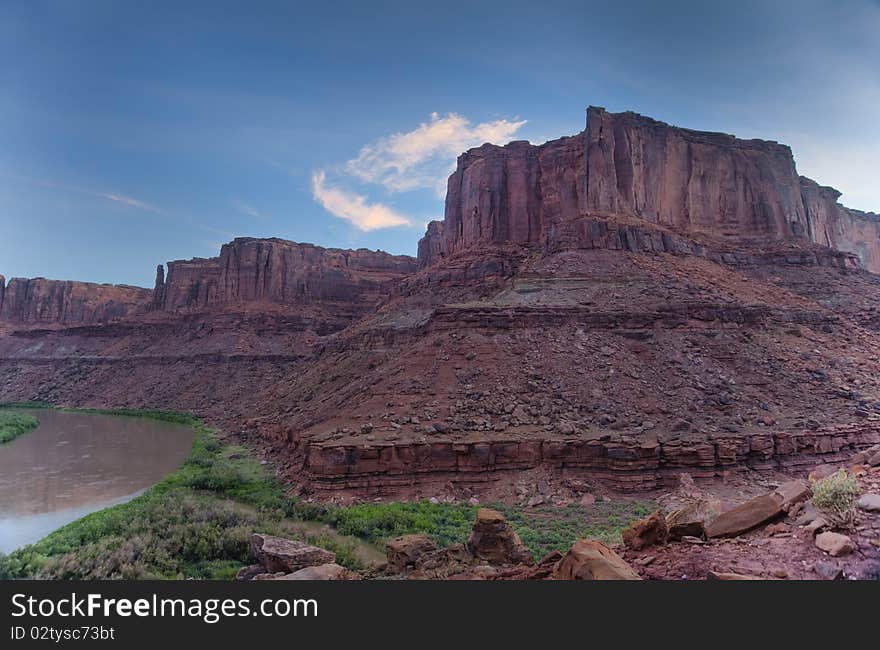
(330, 571)
(403, 552)
(588, 559)
(869, 502)
(759, 510)
(646, 532)
(280, 554)
(493, 540)
(835, 544)
(689, 520)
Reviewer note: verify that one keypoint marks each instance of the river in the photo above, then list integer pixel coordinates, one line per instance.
(76, 463)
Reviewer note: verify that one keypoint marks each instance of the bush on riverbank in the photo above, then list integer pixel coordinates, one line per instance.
(13, 425)
(196, 522)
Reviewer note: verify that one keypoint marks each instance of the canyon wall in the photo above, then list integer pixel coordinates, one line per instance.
(841, 228)
(266, 271)
(690, 182)
(279, 272)
(32, 301)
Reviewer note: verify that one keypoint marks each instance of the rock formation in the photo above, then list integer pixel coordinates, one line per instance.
(280, 272)
(42, 301)
(691, 182)
(617, 306)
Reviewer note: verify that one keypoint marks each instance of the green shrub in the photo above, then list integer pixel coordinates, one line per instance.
(835, 497)
(14, 424)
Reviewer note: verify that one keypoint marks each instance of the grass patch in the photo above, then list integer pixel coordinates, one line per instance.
(13, 425)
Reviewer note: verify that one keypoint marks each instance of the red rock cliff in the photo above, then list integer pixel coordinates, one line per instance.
(687, 181)
(280, 272)
(42, 301)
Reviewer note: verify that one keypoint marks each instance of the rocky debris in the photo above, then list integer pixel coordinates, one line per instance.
(835, 544)
(444, 563)
(588, 559)
(250, 572)
(828, 570)
(869, 502)
(870, 456)
(330, 571)
(759, 510)
(403, 552)
(278, 554)
(492, 539)
(646, 532)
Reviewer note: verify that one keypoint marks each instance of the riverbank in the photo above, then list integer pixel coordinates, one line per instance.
(197, 522)
(13, 425)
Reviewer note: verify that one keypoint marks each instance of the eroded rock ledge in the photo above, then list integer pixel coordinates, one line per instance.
(623, 462)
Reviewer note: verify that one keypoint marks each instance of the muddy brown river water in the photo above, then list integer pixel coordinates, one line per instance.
(75, 463)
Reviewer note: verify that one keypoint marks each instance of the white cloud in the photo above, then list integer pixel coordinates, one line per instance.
(425, 156)
(354, 207)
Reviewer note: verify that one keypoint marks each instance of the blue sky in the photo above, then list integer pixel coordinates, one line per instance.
(131, 135)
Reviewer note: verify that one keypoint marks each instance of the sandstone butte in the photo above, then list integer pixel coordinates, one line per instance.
(620, 306)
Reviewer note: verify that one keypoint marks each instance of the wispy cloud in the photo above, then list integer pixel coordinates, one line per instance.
(403, 162)
(115, 197)
(353, 207)
(248, 210)
(424, 157)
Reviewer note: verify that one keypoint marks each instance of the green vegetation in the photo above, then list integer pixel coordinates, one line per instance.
(542, 530)
(13, 425)
(835, 497)
(197, 522)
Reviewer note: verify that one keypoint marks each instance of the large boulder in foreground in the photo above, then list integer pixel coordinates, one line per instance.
(646, 532)
(588, 559)
(403, 552)
(759, 510)
(278, 554)
(493, 540)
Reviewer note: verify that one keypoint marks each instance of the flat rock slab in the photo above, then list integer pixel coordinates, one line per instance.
(278, 554)
(759, 510)
(743, 518)
(331, 571)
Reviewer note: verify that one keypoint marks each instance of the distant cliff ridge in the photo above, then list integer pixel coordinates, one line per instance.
(38, 300)
(625, 183)
(692, 182)
(280, 272)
